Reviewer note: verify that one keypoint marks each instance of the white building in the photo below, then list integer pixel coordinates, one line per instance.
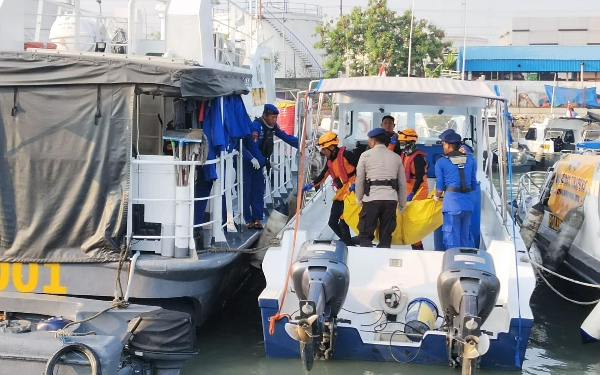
(287, 29)
(562, 31)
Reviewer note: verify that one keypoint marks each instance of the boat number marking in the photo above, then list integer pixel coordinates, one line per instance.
(395, 262)
(554, 221)
(29, 284)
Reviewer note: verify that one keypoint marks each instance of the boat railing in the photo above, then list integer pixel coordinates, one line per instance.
(284, 169)
(227, 190)
(530, 184)
(228, 185)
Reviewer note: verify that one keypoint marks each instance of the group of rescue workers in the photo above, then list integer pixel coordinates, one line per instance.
(392, 172)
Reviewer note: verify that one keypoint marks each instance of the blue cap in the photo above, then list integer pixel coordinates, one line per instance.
(270, 109)
(375, 132)
(451, 137)
(447, 131)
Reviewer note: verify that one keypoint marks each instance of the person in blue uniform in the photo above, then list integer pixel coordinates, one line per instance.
(258, 148)
(455, 179)
(465, 149)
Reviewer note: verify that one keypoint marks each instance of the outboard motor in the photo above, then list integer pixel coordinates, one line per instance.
(468, 290)
(159, 342)
(320, 278)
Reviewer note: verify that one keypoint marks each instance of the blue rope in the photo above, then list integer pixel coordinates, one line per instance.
(514, 230)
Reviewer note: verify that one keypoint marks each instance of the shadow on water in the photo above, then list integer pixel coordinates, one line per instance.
(555, 343)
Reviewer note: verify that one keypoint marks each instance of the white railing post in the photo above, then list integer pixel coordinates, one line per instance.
(288, 168)
(229, 185)
(282, 167)
(217, 206)
(240, 182)
(191, 184)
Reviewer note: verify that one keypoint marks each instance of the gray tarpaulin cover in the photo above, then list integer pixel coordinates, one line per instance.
(65, 139)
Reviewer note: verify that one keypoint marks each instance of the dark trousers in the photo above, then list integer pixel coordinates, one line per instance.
(382, 213)
(254, 190)
(339, 226)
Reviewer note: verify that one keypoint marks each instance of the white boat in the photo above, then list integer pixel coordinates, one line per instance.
(470, 307)
(549, 140)
(569, 187)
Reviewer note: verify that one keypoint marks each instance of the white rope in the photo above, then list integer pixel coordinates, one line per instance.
(538, 267)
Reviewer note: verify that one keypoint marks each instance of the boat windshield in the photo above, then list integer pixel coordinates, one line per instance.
(554, 133)
(432, 125)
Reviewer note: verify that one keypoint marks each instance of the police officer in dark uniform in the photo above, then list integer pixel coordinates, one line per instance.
(381, 189)
(258, 148)
(455, 179)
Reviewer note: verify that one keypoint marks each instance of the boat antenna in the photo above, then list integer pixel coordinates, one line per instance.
(552, 100)
(464, 54)
(412, 18)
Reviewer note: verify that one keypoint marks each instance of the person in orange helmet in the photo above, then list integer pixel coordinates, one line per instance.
(415, 169)
(341, 166)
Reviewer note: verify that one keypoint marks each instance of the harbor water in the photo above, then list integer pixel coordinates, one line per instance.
(232, 341)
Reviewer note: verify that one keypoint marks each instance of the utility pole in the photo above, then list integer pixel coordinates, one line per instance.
(340, 8)
(412, 17)
(464, 55)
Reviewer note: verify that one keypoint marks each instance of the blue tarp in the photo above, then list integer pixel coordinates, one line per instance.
(563, 95)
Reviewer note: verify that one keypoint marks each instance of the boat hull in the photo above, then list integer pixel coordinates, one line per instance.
(195, 286)
(372, 271)
(432, 351)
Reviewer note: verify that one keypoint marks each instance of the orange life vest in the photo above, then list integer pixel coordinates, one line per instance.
(411, 174)
(340, 168)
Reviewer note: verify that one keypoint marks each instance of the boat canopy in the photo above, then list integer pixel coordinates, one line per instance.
(66, 125)
(151, 75)
(410, 91)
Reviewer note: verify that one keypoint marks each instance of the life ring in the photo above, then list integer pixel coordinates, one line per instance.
(363, 125)
(401, 303)
(75, 347)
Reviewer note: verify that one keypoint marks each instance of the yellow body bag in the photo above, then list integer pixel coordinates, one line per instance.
(420, 218)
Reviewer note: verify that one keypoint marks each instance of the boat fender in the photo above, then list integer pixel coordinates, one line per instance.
(401, 303)
(565, 235)
(539, 154)
(274, 225)
(590, 329)
(74, 347)
(531, 224)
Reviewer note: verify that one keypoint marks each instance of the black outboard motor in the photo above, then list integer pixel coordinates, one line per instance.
(159, 342)
(320, 278)
(468, 290)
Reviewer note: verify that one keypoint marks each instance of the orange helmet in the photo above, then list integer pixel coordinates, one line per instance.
(408, 135)
(328, 139)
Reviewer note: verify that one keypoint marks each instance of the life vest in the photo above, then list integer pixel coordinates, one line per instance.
(459, 159)
(268, 142)
(411, 174)
(346, 172)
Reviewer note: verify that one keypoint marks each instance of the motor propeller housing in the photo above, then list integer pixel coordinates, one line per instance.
(468, 290)
(320, 277)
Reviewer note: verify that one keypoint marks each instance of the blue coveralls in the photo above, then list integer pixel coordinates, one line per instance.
(221, 131)
(254, 183)
(457, 207)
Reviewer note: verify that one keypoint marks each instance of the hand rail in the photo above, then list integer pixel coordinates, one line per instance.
(293, 39)
(292, 8)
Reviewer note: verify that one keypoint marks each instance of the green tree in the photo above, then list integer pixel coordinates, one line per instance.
(364, 39)
(447, 63)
